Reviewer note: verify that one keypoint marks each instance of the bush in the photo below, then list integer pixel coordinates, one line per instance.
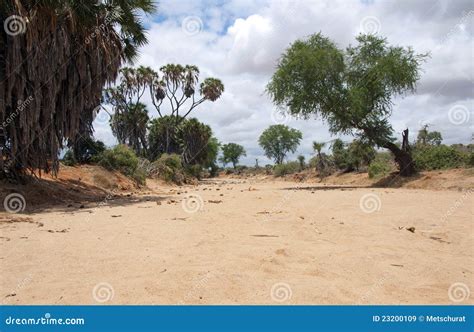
(470, 160)
(124, 160)
(169, 168)
(438, 157)
(86, 150)
(379, 168)
(69, 159)
(195, 171)
(287, 168)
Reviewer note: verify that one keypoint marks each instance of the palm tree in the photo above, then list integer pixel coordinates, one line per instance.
(58, 55)
(318, 146)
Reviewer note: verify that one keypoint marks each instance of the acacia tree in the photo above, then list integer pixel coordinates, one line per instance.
(351, 90)
(278, 140)
(58, 56)
(231, 153)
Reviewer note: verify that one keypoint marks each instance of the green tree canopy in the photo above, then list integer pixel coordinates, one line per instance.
(351, 89)
(278, 140)
(426, 137)
(231, 153)
(190, 139)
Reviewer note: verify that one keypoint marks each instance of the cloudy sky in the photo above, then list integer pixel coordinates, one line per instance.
(240, 41)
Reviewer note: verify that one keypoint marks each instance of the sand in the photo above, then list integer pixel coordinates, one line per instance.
(245, 242)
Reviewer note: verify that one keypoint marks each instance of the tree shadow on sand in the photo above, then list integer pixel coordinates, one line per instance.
(393, 180)
(70, 195)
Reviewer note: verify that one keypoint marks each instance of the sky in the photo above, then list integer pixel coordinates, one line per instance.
(240, 42)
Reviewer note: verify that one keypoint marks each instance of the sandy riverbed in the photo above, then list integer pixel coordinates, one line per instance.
(250, 242)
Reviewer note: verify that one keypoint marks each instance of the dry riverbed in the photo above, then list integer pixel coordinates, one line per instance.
(245, 242)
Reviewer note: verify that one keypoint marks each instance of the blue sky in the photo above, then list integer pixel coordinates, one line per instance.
(240, 42)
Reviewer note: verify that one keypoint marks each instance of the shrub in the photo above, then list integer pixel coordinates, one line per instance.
(286, 168)
(470, 160)
(124, 160)
(169, 168)
(69, 159)
(379, 168)
(438, 157)
(195, 171)
(86, 149)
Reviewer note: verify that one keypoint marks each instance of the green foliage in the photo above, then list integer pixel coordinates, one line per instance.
(164, 137)
(190, 138)
(426, 137)
(129, 126)
(286, 168)
(379, 168)
(278, 140)
(231, 153)
(69, 159)
(438, 157)
(124, 160)
(301, 161)
(361, 153)
(194, 140)
(212, 151)
(359, 85)
(340, 155)
(86, 149)
(169, 168)
(195, 171)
